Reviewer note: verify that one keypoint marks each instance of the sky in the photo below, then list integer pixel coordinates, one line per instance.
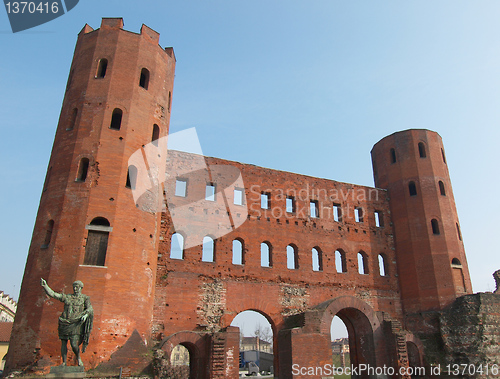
(307, 86)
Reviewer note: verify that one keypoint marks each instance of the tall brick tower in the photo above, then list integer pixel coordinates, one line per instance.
(88, 226)
(432, 267)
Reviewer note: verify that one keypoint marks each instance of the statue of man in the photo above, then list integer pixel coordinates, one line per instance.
(75, 323)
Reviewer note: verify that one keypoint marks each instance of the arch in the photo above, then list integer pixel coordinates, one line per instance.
(238, 252)
(363, 263)
(442, 190)
(340, 261)
(435, 227)
(362, 325)
(116, 119)
(412, 188)
(97, 242)
(292, 258)
(48, 234)
(144, 78)
(177, 246)
(156, 133)
(266, 254)
(72, 121)
(195, 343)
(208, 250)
(317, 259)
(421, 150)
(382, 265)
(83, 169)
(102, 66)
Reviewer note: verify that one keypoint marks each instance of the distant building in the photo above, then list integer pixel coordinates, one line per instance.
(340, 346)
(5, 331)
(255, 343)
(8, 307)
(179, 356)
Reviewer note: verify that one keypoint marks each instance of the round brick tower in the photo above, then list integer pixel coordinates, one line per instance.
(88, 226)
(432, 267)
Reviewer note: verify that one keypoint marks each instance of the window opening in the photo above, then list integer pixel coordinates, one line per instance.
(290, 204)
(265, 254)
(441, 188)
(131, 177)
(337, 212)
(382, 265)
(83, 169)
(412, 188)
(116, 119)
(459, 233)
(291, 257)
(444, 157)
(317, 259)
(238, 252)
(101, 68)
(48, 234)
(238, 196)
(72, 122)
(144, 79)
(314, 209)
(435, 226)
(97, 242)
(156, 133)
(379, 219)
(208, 253)
(358, 214)
(265, 200)
(421, 150)
(362, 263)
(340, 261)
(210, 192)
(393, 155)
(177, 246)
(181, 187)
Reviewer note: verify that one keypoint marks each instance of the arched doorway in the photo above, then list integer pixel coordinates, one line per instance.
(256, 342)
(363, 329)
(340, 343)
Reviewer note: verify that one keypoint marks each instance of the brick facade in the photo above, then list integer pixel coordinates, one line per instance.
(372, 256)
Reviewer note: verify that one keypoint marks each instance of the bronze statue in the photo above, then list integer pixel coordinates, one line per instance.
(75, 323)
(496, 276)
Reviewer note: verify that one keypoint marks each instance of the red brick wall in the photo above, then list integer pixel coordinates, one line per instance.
(124, 287)
(424, 259)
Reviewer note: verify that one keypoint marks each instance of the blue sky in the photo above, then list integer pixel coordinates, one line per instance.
(304, 86)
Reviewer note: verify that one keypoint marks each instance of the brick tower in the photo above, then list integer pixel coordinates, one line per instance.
(88, 226)
(432, 267)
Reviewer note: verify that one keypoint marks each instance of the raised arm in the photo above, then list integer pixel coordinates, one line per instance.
(49, 290)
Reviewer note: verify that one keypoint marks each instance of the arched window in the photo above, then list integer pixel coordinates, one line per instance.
(382, 265)
(266, 254)
(144, 79)
(156, 133)
(208, 254)
(393, 155)
(435, 226)
(459, 233)
(101, 68)
(444, 157)
(317, 259)
(72, 120)
(97, 242)
(238, 258)
(292, 259)
(363, 263)
(169, 100)
(47, 179)
(177, 246)
(131, 177)
(83, 169)
(441, 188)
(116, 119)
(48, 234)
(340, 261)
(458, 275)
(421, 150)
(412, 188)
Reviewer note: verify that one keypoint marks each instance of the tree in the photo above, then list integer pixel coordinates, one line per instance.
(263, 332)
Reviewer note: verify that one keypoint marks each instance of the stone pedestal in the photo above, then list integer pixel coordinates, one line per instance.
(60, 372)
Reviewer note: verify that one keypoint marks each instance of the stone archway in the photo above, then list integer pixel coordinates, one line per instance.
(197, 345)
(363, 326)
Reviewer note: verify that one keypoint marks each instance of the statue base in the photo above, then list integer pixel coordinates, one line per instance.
(60, 372)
